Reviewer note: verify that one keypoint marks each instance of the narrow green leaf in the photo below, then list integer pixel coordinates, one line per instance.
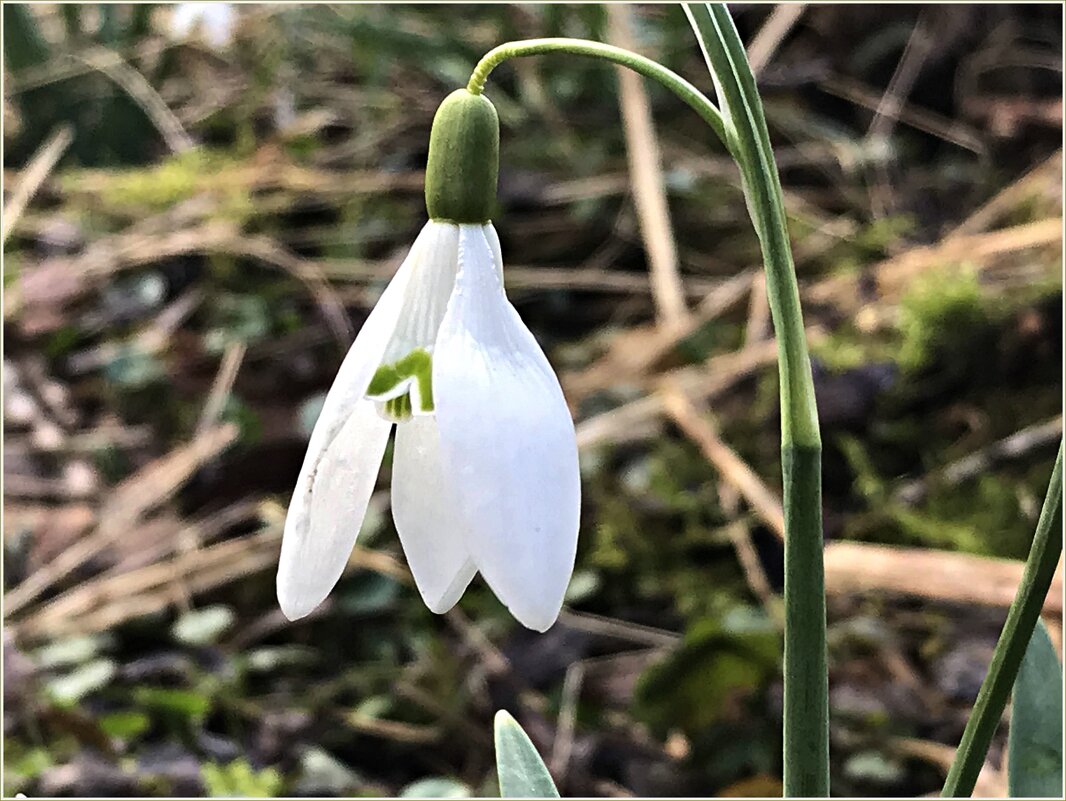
(1034, 751)
(24, 46)
(522, 772)
(806, 706)
(1013, 641)
(71, 20)
(109, 24)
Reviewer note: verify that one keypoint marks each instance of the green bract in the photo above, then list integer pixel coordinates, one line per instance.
(464, 159)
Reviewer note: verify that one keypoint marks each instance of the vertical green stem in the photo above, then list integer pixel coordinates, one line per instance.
(806, 703)
(1017, 630)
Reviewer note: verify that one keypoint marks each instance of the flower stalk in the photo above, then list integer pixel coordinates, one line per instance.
(616, 55)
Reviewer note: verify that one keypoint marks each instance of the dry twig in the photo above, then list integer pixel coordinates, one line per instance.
(33, 176)
(142, 92)
(858, 567)
(127, 503)
(731, 467)
(1015, 446)
(222, 386)
(779, 22)
(649, 192)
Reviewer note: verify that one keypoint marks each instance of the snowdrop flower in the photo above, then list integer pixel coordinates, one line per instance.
(485, 472)
(214, 20)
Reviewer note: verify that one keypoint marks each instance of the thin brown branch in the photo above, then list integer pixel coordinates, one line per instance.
(731, 467)
(123, 508)
(222, 386)
(859, 567)
(38, 168)
(649, 192)
(781, 20)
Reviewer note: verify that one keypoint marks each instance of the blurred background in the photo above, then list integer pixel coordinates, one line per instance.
(201, 207)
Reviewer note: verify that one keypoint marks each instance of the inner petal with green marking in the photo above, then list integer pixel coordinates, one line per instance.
(404, 387)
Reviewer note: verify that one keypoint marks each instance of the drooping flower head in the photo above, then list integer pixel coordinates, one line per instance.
(485, 472)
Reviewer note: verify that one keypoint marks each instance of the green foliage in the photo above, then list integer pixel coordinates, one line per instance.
(82, 681)
(113, 129)
(179, 706)
(988, 519)
(133, 366)
(806, 702)
(521, 771)
(22, 765)
(939, 318)
(203, 626)
(870, 242)
(237, 318)
(125, 725)
(1014, 639)
(1034, 751)
(239, 779)
(710, 338)
(176, 178)
(24, 46)
(658, 539)
(719, 665)
(248, 421)
(370, 594)
(846, 348)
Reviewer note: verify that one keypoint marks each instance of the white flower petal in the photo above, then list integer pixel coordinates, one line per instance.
(497, 251)
(430, 527)
(316, 546)
(214, 20)
(507, 440)
(430, 286)
(300, 585)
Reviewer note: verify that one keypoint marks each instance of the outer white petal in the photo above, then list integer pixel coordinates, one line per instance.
(316, 547)
(430, 287)
(431, 530)
(497, 251)
(312, 561)
(507, 441)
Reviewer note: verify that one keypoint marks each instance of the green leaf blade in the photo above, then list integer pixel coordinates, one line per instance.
(521, 771)
(1013, 643)
(1034, 750)
(806, 706)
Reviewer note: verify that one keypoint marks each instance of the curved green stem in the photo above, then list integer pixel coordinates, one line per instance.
(806, 686)
(750, 145)
(1017, 630)
(579, 47)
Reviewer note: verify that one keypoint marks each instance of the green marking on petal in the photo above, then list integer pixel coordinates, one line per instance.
(417, 367)
(384, 381)
(398, 408)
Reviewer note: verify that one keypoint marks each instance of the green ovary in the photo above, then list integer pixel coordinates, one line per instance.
(414, 370)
